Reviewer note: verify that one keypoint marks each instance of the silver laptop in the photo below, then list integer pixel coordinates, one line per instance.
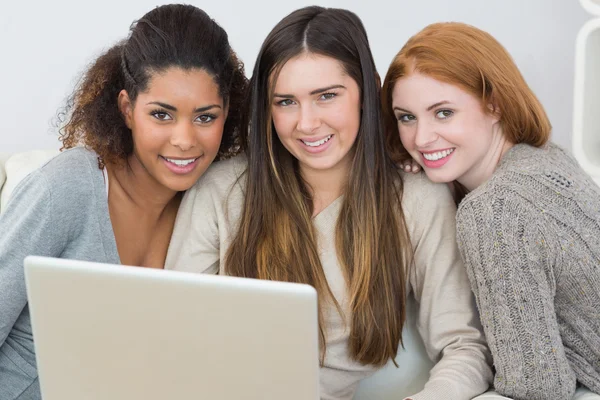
(127, 333)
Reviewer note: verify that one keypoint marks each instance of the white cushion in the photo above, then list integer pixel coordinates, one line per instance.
(3, 158)
(18, 166)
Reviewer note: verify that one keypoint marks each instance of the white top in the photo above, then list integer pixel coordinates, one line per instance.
(447, 319)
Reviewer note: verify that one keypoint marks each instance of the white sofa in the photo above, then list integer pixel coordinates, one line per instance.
(390, 383)
(14, 167)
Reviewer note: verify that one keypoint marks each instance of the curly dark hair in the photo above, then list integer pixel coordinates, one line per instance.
(172, 35)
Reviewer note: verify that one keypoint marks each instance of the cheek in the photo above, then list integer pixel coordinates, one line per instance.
(210, 139)
(344, 119)
(283, 122)
(147, 135)
(407, 137)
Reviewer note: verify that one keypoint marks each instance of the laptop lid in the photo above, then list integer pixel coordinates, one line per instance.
(116, 332)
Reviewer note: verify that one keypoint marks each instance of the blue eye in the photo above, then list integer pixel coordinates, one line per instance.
(328, 96)
(285, 102)
(443, 114)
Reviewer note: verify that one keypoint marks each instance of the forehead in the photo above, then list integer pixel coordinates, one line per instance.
(419, 90)
(309, 71)
(177, 83)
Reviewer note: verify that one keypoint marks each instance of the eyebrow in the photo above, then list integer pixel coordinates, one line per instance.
(172, 108)
(401, 109)
(441, 103)
(316, 91)
(431, 107)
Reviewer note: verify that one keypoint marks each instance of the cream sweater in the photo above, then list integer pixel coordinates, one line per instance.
(447, 319)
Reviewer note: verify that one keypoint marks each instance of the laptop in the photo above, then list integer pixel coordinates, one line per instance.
(128, 333)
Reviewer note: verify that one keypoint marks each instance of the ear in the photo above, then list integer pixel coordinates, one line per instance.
(126, 107)
(494, 112)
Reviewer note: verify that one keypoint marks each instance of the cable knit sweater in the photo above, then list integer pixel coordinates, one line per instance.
(530, 239)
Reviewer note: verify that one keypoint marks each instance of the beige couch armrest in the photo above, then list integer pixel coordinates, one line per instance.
(17, 167)
(3, 158)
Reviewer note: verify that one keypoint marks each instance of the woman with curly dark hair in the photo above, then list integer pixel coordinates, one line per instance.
(148, 118)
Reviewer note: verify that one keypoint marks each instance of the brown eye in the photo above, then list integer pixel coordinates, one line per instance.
(206, 118)
(161, 115)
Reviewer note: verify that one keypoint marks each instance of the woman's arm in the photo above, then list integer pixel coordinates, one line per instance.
(28, 227)
(510, 266)
(447, 317)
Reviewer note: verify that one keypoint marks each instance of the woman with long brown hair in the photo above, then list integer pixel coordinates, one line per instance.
(529, 217)
(317, 200)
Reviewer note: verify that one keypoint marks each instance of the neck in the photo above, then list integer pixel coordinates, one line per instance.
(484, 169)
(131, 182)
(326, 185)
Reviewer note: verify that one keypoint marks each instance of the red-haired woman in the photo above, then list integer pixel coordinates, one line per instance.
(528, 223)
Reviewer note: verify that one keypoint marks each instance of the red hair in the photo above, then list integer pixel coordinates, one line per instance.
(473, 60)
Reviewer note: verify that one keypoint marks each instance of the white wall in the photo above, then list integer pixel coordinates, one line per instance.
(45, 45)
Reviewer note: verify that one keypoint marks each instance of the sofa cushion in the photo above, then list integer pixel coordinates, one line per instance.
(18, 166)
(3, 158)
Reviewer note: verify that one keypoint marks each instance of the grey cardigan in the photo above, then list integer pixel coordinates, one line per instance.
(530, 238)
(60, 210)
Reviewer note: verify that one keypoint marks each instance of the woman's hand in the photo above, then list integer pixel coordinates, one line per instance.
(410, 166)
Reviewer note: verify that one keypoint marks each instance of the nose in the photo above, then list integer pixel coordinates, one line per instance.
(425, 134)
(184, 136)
(309, 120)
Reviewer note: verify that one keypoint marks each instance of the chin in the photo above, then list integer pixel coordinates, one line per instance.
(439, 178)
(322, 165)
(180, 185)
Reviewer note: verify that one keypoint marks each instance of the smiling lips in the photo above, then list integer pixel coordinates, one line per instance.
(317, 143)
(436, 159)
(316, 146)
(180, 166)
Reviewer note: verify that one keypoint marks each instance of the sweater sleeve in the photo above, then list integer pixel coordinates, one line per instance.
(195, 244)
(29, 226)
(447, 318)
(510, 266)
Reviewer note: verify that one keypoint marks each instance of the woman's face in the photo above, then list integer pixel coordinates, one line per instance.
(445, 129)
(316, 112)
(177, 125)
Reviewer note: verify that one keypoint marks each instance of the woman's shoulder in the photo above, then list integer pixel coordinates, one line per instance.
(419, 192)
(66, 184)
(225, 172)
(424, 203)
(220, 178)
(70, 172)
(532, 176)
(72, 167)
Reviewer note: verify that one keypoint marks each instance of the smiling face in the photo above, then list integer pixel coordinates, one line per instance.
(445, 129)
(316, 112)
(176, 125)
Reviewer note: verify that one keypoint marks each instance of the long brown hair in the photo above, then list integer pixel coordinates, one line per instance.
(473, 60)
(276, 238)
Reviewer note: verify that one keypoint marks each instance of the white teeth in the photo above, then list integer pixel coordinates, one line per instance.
(180, 163)
(318, 142)
(437, 155)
